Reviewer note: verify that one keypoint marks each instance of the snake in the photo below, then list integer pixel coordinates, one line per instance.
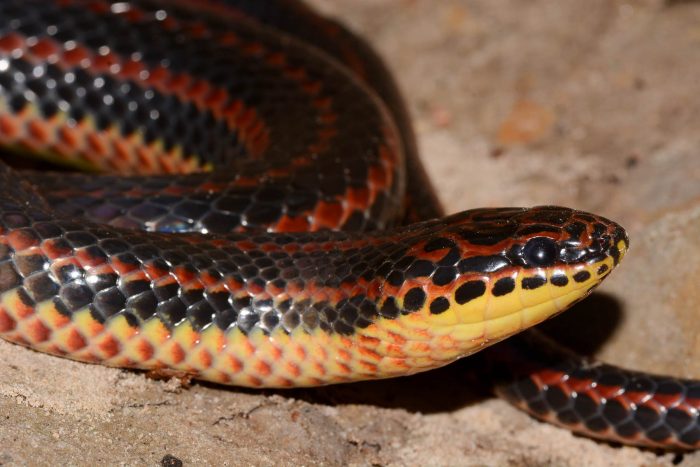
(230, 190)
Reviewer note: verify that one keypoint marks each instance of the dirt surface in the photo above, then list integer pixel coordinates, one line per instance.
(586, 104)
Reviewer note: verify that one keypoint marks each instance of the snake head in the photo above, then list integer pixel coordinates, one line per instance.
(477, 277)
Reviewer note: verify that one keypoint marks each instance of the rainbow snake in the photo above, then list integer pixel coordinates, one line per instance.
(251, 211)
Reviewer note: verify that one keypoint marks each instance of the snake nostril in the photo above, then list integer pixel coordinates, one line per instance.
(603, 242)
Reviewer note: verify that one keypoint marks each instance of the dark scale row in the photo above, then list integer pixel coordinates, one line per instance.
(108, 199)
(125, 106)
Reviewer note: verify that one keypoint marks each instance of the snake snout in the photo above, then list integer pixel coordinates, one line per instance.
(607, 239)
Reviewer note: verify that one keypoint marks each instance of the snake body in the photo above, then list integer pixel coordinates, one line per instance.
(243, 219)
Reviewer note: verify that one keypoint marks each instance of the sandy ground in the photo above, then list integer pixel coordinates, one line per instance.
(586, 104)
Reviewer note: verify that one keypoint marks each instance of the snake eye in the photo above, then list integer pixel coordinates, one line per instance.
(540, 251)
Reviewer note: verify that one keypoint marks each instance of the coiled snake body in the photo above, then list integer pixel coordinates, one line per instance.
(242, 221)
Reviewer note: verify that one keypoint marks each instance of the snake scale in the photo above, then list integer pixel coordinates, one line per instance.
(251, 211)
